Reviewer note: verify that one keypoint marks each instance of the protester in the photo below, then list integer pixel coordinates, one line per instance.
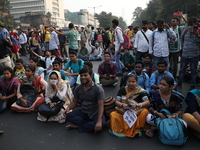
(23, 42)
(83, 35)
(63, 42)
(39, 71)
(95, 76)
(54, 43)
(119, 40)
(34, 43)
(190, 53)
(27, 101)
(128, 60)
(107, 71)
(8, 88)
(57, 89)
(148, 64)
(164, 98)
(47, 35)
(97, 52)
(157, 75)
(138, 99)
(191, 115)
(83, 52)
(75, 65)
(19, 70)
(92, 104)
(152, 26)
(142, 39)
(57, 65)
(158, 46)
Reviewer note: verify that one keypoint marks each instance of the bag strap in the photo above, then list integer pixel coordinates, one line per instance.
(145, 36)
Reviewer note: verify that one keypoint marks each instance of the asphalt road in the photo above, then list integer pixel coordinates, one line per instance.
(23, 132)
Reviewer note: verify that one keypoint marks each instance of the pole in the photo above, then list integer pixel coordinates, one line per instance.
(94, 15)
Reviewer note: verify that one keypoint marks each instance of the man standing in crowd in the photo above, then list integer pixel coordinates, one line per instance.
(91, 97)
(63, 41)
(54, 44)
(47, 35)
(107, 71)
(4, 55)
(72, 37)
(174, 47)
(119, 40)
(159, 42)
(83, 36)
(142, 38)
(3, 32)
(23, 42)
(190, 52)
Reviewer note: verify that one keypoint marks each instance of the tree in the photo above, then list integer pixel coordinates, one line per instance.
(5, 17)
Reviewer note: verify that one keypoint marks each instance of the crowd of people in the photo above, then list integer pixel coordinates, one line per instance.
(147, 69)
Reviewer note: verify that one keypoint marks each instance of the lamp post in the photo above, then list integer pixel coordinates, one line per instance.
(94, 15)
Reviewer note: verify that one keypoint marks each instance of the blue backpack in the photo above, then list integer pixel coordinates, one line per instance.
(172, 131)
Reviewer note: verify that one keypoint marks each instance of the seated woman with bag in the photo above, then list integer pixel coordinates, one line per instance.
(56, 90)
(30, 92)
(164, 98)
(134, 98)
(192, 112)
(8, 88)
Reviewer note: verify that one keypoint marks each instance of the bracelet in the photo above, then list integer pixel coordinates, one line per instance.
(155, 111)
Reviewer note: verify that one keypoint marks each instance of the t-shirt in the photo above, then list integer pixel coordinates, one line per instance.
(20, 73)
(48, 60)
(47, 36)
(73, 38)
(74, 66)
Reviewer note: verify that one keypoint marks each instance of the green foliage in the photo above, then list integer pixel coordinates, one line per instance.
(105, 20)
(5, 17)
(164, 9)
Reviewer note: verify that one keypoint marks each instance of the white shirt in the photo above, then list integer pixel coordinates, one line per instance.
(54, 41)
(48, 60)
(22, 38)
(140, 41)
(97, 51)
(118, 37)
(159, 46)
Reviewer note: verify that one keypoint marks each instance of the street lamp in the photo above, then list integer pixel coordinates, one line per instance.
(94, 15)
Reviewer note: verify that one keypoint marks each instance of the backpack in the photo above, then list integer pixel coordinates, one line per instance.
(28, 90)
(156, 73)
(95, 35)
(172, 131)
(127, 41)
(105, 37)
(15, 47)
(124, 78)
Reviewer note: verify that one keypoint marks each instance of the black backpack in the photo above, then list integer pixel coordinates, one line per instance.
(105, 37)
(28, 90)
(95, 35)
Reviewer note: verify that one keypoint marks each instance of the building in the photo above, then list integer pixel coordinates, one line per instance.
(81, 18)
(20, 8)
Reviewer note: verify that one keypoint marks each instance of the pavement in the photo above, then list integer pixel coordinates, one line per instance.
(22, 131)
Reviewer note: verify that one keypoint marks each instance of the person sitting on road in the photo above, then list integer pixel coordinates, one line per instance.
(129, 97)
(148, 64)
(8, 89)
(58, 67)
(97, 52)
(142, 77)
(91, 96)
(29, 92)
(191, 115)
(128, 60)
(107, 71)
(39, 71)
(75, 65)
(83, 52)
(95, 76)
(164, 98)
(19, 70)
(56, 88)
(157, 75)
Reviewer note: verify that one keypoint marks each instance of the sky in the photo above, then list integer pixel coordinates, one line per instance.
(123, 8)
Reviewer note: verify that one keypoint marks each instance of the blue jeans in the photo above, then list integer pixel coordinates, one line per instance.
(72, 80)
(95, 58)
(46, 45)
(119, 64)
(156, 60)
(85, 123)
(193, 67)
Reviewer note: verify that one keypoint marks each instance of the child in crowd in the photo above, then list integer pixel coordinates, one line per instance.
(19, 71)
(83, 53)
(74, 65)
(128, 60)
(148, 64)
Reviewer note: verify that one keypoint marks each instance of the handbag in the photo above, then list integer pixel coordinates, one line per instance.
(47, 111)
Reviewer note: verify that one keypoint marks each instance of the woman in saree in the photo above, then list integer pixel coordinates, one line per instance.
(138, 98)
(59, 89)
